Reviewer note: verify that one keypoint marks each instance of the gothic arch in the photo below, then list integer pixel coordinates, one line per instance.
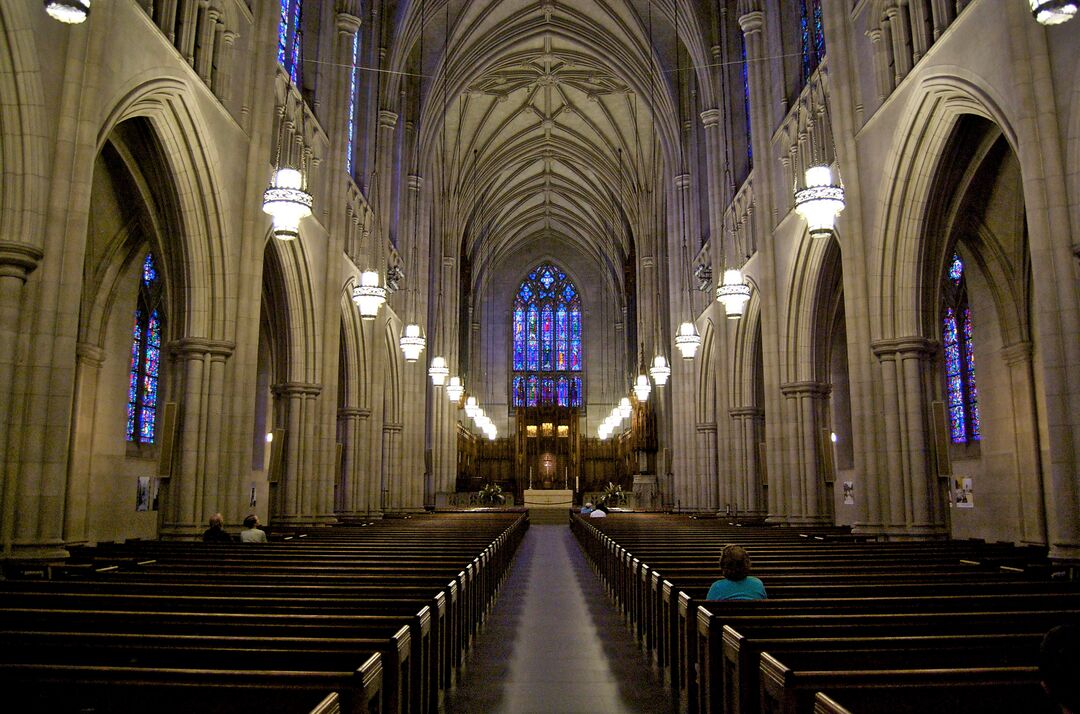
(302, 345)
(23, 147)
(813, 262)
(354, 367)
(911, 168)
(189, 157)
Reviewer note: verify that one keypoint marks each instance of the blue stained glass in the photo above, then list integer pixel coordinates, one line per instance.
(525, 293)
(563, 392)
(519, 391)
(804, 27)
(283, 32)
(547, 390)
(975, 434)
(146, 425)
(149, 270)
(819, 31)
(350, 130)
(746, 101)
(956, 269)
(547, 338)
(531, 391)
(130, 422)
(547, 279)
(575, 392)
(519, 338)
(533, 338)
(294, 70)
(575, 340)
(952, 354)
(562, 338)
(956, 415)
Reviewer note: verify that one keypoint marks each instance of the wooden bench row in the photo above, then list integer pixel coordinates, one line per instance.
(208, 627)
(832, 609)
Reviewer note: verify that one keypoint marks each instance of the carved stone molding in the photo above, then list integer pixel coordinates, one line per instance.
(288, 389)
(806, 388)
(18, 260)
(901, 346)
(353, 413)
(197, 347)
(1017, 353)
(755, 412)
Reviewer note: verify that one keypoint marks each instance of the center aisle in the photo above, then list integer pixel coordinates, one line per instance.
(554, 643)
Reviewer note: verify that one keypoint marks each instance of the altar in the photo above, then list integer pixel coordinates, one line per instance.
(549, 498)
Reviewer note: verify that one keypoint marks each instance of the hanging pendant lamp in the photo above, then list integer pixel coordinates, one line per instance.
(69, 12)
(660, 370)
(820, 202)
(1051, 12)
(455, 389)
(412, 343)
(688, 340)
(287, 202)
(733, 294)
(438, 372)
(369, 295)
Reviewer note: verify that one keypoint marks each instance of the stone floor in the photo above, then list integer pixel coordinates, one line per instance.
(554, 643)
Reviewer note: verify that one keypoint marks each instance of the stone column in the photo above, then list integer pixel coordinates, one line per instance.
(89, 359)
(1030, 493)
(910, 510)
(747, 434)
(204, 62)
(806, 496)
(186, 42)
(296, 482)
(353, 494)
(17, 261)
(899, 30)
(882, 79)
(713, 494)
(384, 194)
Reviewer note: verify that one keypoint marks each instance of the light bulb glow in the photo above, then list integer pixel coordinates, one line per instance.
(69, 12)
(470, 407)
(687, 340)
(412, 343)
(438, 371)
(369, 296)
(625, 408)
(820, 202)
(455, 389)
(286, 201)
(660, 370)
(642, 388)
(733, 294)
(1053, 12)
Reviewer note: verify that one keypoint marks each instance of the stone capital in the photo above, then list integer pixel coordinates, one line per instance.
(706, 427)
(710, 118)
(743, 412)
(387, 119)
(18, 260)
(348, 23)
(682, 181)
(805, 388)
(1017, 353)
(416, 182)
(901, 347)
(290, 389)
(394, 428)
(198, 347)
(89, 353)
(353, 413)
(752, 22)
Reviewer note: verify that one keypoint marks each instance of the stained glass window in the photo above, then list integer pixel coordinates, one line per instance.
(746, 101)
(957, 343)
(145, 365)
(353, 88)
(812, 35)
(289, 38)
(547, 339)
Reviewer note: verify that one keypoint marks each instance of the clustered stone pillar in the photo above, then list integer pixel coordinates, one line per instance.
(804, 406)
(353, 425)
(297, 480)
(749, 425)
(910, 487)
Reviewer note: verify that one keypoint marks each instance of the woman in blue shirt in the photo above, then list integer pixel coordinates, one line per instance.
(737, 583)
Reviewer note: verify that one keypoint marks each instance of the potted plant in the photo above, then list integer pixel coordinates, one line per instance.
(611, 496)
(491, 495)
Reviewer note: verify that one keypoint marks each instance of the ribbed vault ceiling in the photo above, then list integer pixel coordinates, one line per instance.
(549, 114)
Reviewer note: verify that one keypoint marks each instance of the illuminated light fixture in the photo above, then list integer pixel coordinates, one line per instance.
(1048, 12)
(660, 370)
(438, 371)
(455, 389)
(642, 388)
(70, 12)
(820, 202)
(733, 294)
(688, 340)
(625, 409)
(269, 437)
(287, 201)
(491, 435)
(412, 343)
(470, 407)
(369, 295)
(478, 416)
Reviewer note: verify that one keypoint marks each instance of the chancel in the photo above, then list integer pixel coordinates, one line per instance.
(407, 283)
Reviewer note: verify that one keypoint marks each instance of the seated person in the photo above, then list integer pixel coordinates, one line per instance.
(587, 508)
(599, 512)
(1059, 663)
(215, 533)
(251, 532)
(737, 583)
